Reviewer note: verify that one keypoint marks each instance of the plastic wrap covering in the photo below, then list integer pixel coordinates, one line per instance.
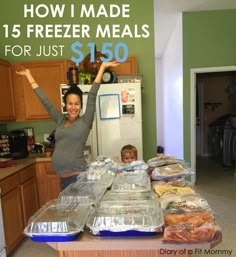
(57, 222)
(183, 203)
(135, 165)
(123, 216)
(82, 193)
(114, 196)
(164, 190)
(171, 171)
(99, 175)
(131, 182)
(102, 162)
(162, 160)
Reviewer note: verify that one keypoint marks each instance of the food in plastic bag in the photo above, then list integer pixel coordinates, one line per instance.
(181, 182)
(188, 233)
(161, 160)
(193, 218)
(163, 190)
(182, 203)
(171, 171)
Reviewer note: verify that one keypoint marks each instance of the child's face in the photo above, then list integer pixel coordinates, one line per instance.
(128, 157)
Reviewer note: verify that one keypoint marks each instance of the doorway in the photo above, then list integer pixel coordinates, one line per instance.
(202, 104)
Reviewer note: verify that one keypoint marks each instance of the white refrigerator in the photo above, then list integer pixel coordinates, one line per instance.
(118, 119)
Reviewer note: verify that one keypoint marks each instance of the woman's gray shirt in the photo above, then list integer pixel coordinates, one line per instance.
(70, 141)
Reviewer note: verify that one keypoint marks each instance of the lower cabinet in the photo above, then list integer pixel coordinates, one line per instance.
(19, 202)
(12, 218)
(48, 182)
(29, 192)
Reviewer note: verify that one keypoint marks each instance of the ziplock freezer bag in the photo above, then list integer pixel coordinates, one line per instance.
(172, 171)
(183, 203)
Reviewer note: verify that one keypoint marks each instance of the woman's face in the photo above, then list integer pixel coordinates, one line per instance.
(73, 105)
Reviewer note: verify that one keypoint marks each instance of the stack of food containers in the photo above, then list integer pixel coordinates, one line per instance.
(187, 215)
(129, 209)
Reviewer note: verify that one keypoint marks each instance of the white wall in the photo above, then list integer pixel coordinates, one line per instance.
(169, 87)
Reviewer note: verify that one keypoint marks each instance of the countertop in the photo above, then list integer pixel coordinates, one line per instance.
(22, 163)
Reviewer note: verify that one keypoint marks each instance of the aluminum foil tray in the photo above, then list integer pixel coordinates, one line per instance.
(121, 218)
(114, 196)
(54, 220)
(82, 193)
(131, 182)
(105, 179)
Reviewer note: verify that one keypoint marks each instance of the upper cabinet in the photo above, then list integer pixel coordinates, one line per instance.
(7, 108)
(49, 75)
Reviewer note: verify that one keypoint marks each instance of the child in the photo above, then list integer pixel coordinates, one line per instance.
(128, 154)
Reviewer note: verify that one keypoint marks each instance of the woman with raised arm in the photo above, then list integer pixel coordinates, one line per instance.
(72, 130)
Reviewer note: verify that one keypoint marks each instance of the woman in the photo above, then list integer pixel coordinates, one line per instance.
(71, 130)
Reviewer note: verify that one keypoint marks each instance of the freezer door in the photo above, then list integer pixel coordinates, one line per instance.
(119, 118)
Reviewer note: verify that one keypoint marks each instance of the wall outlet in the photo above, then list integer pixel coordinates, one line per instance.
(45, 136)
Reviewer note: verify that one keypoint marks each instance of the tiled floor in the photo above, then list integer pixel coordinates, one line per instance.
(214, 182)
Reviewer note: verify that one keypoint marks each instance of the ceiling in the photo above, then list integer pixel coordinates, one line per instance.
(167, 12)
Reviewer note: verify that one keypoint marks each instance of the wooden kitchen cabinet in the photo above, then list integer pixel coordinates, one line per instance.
(49, 75)
(29, 192)
(12, 211)
(7, 108)
(19, 203)
(48, 182)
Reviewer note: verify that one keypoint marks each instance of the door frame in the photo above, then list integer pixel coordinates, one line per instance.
(193, 80)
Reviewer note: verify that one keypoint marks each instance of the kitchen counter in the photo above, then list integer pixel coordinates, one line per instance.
(88, 245)
(22, 163)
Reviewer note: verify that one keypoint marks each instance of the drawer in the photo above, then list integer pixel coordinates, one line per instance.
(9, 183)
(27, 173)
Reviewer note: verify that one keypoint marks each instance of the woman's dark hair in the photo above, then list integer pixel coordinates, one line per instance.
(76, 91)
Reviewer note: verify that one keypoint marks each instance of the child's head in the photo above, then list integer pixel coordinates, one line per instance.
(128, 153)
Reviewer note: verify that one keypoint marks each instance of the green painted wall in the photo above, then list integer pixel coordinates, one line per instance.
(209, 40)
(143, 48)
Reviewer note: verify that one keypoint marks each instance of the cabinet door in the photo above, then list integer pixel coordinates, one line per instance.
(47, 181)
(53, 182)
(29, 199)
(49, 75)
(7, 109)
(12, 218)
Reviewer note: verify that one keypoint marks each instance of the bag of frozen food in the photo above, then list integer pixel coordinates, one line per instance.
(182, 203)
(194, 218)
(188, 233)
(163, 190)
(172, 171)
(162, 159)
(181, 182)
